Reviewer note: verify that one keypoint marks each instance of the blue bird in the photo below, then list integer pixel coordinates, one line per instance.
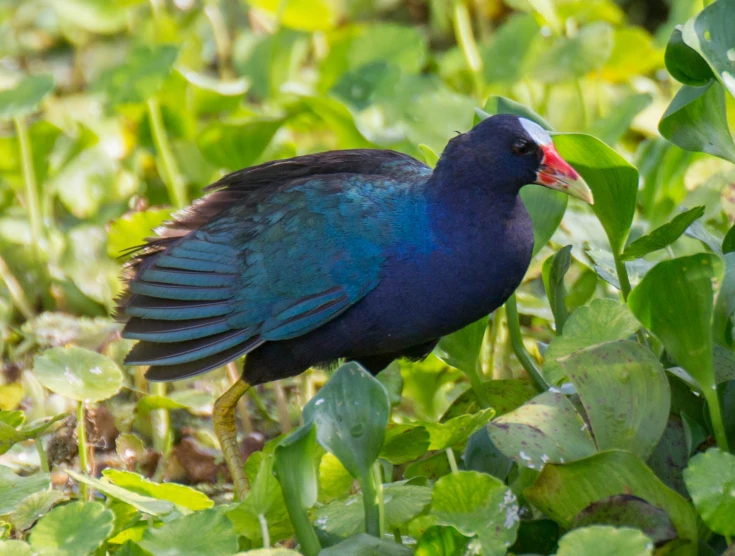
(361, 254)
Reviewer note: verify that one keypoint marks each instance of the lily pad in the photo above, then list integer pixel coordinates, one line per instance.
(204, 532)
(78, 373)
(603, 540)
(477, 504)
(625, 394)
(26, 96)
(545, 430)
(72, 529)
(710, 479)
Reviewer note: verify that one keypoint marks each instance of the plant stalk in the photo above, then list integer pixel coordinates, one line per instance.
(715, 413)
(302, 527)
(475, 377)
(622, 277)
(16, 291)
(264, 531)
(466, 40)
(372, 499)
(41, 454)
(160, 422)
(516, 340)
(284, 419)
(452, 460)
(32, 198)
(172, 177)
(83, 450)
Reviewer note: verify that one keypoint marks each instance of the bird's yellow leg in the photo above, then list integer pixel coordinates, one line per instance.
(225, 427)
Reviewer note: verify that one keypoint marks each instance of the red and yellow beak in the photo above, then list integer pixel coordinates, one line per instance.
(555, 173)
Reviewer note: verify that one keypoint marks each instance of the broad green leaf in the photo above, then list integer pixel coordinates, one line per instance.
(503, 105)
(334, 480)
(461, 349)
(504, 395)
(712, 34)
(674, 301)
(614, 182)
(546, 208)
(562, 491)
(545, 430)
(34, 507)
(634, 53)
(204, 532)
(183, 496)
(146, 504)
(479, 505)
(26, 96)
(78, 373)
(603, 320)
(728, 244)
(628, 511)
(553, 272)
(402, 502)
(441, 541)
(404, 443)
(603, 540)
(13, 488)
(710, 479)
(350, 413)
(482, 455)
(132, 229)
(684, 63)
(696, 121)
(236, 145)
(456, 430)
(363, 544)
(572, 58)
(303, 15)
(612, 128)
(725, 305)
(431, 467)
(140, 77)
(506, 56)
(93, 16)
(9, 436)
(670, 456)
(15, 548)
(662, 236)
(625, 394)
(73, 529)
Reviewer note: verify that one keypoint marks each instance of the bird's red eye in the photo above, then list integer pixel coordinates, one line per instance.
(523, 147)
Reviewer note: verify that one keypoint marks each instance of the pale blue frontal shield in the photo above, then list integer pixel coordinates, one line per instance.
(537, 133)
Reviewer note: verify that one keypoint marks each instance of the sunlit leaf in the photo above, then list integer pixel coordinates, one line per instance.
(141, 502)
(456, 430)
(180, 495)
(604, 540)
(441, 541)
(236, 145)
(571, 58)
(132, 229)
(304, 15)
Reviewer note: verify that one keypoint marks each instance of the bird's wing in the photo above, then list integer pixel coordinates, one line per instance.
(273, 266)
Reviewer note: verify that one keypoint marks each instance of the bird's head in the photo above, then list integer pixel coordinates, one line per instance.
(514, 151)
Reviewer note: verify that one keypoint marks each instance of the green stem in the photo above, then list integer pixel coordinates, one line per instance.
(713, 402)
(264, 531)
(516, 340)
(622, 277)
(41, 454)
(83, 450)
(372, 499)
(397, 536)
(32, 199)
(466, 40)
(302, 526)
(172, 177)
(475, 377)
(452, 460)
(16, 291)
(160, 422)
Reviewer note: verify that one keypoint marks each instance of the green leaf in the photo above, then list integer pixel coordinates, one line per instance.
(143, 503)
(553, 272)
(33, 507)
(696, 120)
(477, 504)
(402, 502)
(9, 435)
(506, 56)
(457, 429)
(605, 266)
(204, 532)
(236, 145)
(546, 208)
(404, 443)
(430, 157)
(612, 128)
(625, 394)
(662, 236)
(710, 479)
(366, 545)
(73, 529)
(140, 77)
(712, 34)
(304, 15)
(132, 229)
(431, 467)
(614, 182)
(183, 496)
(603, 320)
(572, 58)
(26, 96)
(684, 63)
(562, 491)
(669, 457)
(334, 480)
(603, 540)
(503, 105)
(728, 244)
(78, 373)
(13, 488)
(725, 305)
(351, 413)
(461, 349)
(674, 301)
(546, 429)
(504, 395)
(15, 548)
(628, 511)
(441, 541)
(93, 16)
(482, 455)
